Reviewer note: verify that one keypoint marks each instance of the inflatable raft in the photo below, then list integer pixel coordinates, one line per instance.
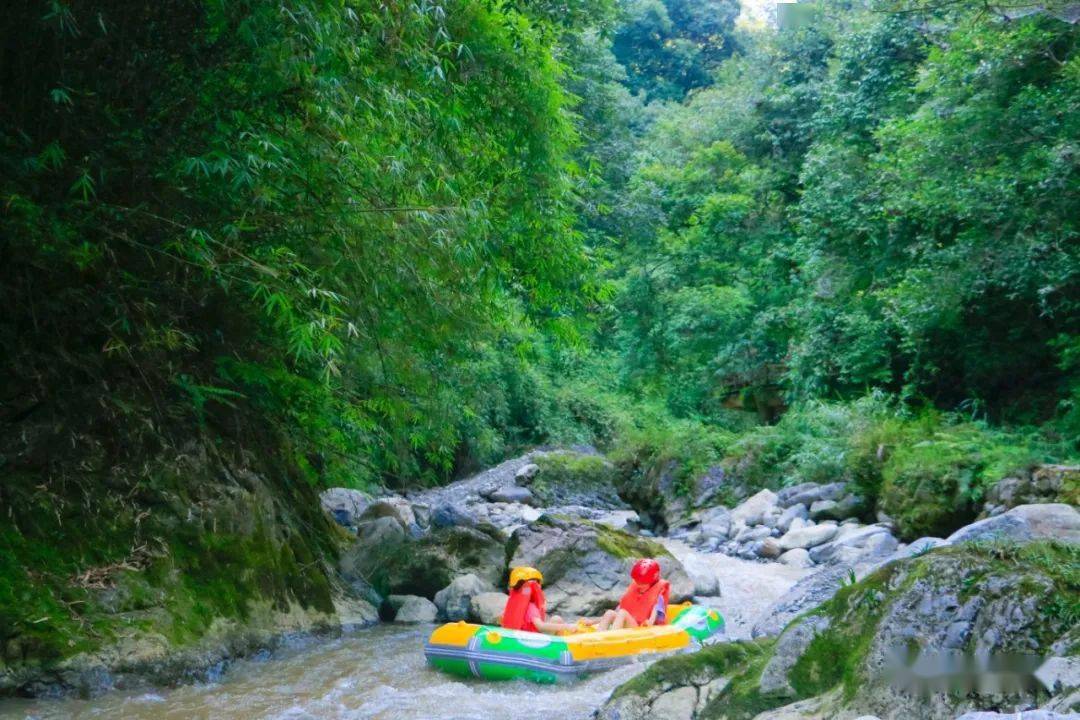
(495, 653)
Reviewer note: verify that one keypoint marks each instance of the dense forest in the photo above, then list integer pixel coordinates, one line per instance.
(374, 244)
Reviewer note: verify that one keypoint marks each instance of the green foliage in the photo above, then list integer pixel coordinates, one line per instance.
(926, 470)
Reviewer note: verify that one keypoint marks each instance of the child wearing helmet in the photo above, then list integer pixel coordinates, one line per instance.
(526, 608)
(644, 603)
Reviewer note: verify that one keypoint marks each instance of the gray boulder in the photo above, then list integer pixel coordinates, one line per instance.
(808, 537)
(454, 601)
(412, 609)
(716, 522)
(380, 531)
(789, 648)
(809, 493)
(789, 515)
(449, 514)
(345, 505)
(845, 507)
(487, 608)
(808, 593)
(1052, 521)
(513, 494)
(868, 543)
(526, 474)
(796, 557)
(391, 506)
(754, 509)
(586, 565)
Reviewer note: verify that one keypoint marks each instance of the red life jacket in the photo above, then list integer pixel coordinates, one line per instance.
(514, 614)
(640, 603)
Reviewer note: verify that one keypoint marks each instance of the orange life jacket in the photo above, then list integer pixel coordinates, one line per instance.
(518, 604)
(640, 603)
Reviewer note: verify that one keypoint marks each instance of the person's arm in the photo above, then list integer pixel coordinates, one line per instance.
(659, 611)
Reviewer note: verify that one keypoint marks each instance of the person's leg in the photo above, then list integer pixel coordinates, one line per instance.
(606, 620)
(623, 619)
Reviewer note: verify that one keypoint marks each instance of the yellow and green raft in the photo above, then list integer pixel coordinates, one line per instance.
(495, 653)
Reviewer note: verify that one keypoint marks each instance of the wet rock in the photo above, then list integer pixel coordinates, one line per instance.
(454, 601)
(586, 565)
(1056, 521)
(345, 505)
(808, 537)
(796, 557)
(754, 509)
(487, 608)
(789, 515)
(412, 609)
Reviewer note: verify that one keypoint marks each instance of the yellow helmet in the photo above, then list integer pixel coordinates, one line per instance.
(523, 573)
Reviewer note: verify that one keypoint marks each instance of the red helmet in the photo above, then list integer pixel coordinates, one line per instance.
(645, 571)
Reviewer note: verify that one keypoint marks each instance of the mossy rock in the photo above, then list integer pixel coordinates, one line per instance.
(569, 478)
(424, 567)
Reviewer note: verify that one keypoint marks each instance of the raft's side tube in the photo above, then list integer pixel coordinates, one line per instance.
(495, 653)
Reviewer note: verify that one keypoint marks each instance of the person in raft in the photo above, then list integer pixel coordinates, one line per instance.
(644, 603)
(526, 608)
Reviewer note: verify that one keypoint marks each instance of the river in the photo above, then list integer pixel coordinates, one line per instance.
(376, 674)
(380, 673)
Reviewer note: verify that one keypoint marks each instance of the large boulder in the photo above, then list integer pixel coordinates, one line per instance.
(789, 648)
(379, 532)
(412, 609)
(345, 505)
(487, 608)
(754, 509)
(425, 566)
(586, 565)
(808, 537)
(865, 651)
(703, 575)
(1053, 521)
(715, 522)
(455, 600)
(804, 595)
(512, 494)
(870, 542)
(394, 507)
(451, 514)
